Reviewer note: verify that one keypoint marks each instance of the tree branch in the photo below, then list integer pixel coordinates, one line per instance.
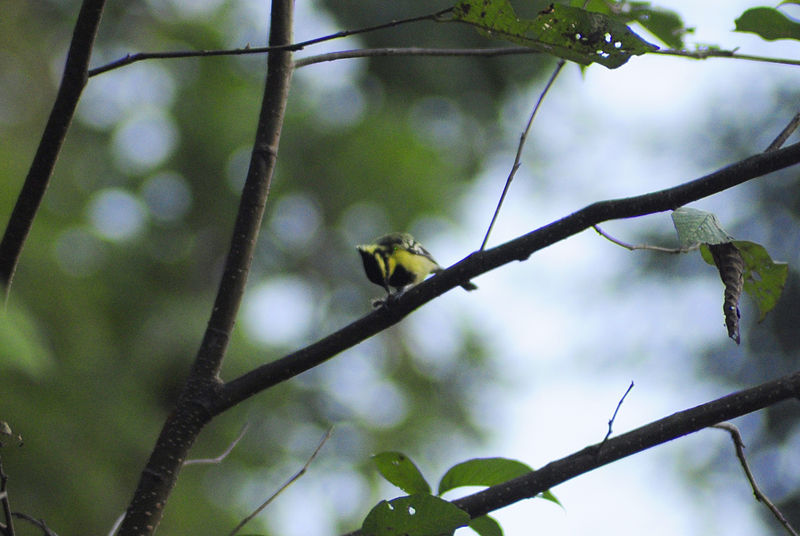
(191, 413)
(648, 436)
(519, 249)
(656, 433)
(413, 51)
(714, 53)
(289, 47)
(69, 92)
(638, 440)
(47, 531)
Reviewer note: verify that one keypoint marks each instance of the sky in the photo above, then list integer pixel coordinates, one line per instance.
(570, 343)
(568, 383)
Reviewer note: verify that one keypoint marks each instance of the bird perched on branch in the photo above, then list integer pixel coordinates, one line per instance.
(397, 260)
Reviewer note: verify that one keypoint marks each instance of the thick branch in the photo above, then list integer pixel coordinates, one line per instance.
(520, 249)
(648, 436)
(191, 413)
(72, 83)
(638, 440)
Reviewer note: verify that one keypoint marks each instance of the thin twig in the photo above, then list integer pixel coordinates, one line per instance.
(785, 133)
(776, 144)
(133, 58)
(288, 483)
(413, 51)
(711, 53)
(614, 416)
(218, 459)
(222, 456)
(739, 446)
(8, 528)
(38, 522)
(518, 157)
(140, 56)
(116, 524)
(633, 247)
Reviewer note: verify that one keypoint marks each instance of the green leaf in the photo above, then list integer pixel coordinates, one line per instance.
(665, 24)
(548, 495)
(768, 23)
(398, 469)
(486, 526)
(23, 345)
(482, 472)
(419, 514)
(698, 227)
(568, 32)
(764, 278)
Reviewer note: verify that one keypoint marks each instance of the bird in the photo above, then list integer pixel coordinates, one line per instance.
(396, 260)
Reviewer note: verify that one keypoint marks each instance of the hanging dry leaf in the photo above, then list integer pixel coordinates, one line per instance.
(730, 264)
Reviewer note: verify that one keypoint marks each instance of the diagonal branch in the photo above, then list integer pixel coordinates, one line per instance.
(69, 92)
(656, 433)
(191, 414)
(648, 436)
(480, 262)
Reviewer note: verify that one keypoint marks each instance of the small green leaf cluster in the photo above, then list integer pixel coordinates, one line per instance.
(421, 513)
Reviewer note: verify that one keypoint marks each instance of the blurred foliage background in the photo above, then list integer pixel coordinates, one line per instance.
(118, 275)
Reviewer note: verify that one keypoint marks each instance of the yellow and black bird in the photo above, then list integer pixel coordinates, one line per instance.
(397, 260)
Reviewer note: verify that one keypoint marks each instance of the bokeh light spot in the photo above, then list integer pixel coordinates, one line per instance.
(145, 141)
(296, 221)
(167, 195)
(116, 214)
(278, 312)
